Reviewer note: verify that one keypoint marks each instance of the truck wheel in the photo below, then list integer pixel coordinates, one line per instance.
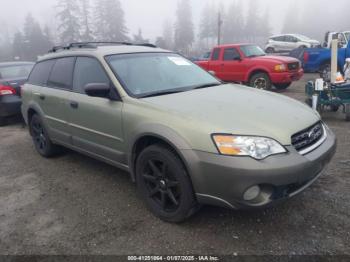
(164, 184)
(270, 50)
(282, 86)
(2, 121)
(41, 139)
(260, 81)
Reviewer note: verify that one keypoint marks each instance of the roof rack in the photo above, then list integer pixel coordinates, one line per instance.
(95, 45)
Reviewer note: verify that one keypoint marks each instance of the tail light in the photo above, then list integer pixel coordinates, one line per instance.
(306, 57)
(7, 90)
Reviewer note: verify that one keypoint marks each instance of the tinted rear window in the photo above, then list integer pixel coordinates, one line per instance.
(40, 73)
(62, 73)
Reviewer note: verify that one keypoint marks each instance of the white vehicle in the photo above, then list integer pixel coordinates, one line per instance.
(288, 42)
(343, 39)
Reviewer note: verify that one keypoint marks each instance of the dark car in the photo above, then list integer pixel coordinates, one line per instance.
(12, 76)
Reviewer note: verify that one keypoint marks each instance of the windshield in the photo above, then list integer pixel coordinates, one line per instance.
(15, 71)
(303, 38)
(252, 51)
(158, 73)
(347, 35)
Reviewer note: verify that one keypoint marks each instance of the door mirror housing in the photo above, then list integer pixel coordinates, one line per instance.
(237, 58)
(98, 90)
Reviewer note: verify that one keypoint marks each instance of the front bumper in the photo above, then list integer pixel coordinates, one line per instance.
(286, 77)
(223, 180)
(10, 105)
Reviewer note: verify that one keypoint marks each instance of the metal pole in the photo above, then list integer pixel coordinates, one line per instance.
(220, 22)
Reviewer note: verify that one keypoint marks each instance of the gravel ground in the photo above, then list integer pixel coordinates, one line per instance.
(76, 205)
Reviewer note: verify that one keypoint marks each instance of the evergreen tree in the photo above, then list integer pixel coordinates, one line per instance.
(86, 33)
(139, 38)
(67, 15)
(168, 35)
(184, 28)
(233, 24)
(251, 27)
(18, 46)
(109, 17)
(35, 42)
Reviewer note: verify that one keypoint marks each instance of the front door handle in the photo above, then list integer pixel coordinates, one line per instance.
(74, 104)
(42, 97)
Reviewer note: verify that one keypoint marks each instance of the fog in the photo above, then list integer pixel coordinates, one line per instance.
(149, 19)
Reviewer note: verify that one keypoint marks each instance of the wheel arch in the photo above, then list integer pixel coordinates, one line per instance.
(257, 71)
(156, 134)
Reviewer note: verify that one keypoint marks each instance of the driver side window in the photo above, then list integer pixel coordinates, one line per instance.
(88, 70)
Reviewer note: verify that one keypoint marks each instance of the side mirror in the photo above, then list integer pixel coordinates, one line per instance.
(237, 58)
(98, 90)
(212, 73)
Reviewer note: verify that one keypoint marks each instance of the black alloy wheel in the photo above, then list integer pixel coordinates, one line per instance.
(164, 184)
(41, 140)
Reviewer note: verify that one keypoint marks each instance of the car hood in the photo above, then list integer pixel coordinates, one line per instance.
(240, 110)
(275, 59)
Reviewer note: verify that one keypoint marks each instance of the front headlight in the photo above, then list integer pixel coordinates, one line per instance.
(280, 68)
(255, 147)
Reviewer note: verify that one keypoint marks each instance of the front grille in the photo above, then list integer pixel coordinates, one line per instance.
(293, 66)
(308, 137)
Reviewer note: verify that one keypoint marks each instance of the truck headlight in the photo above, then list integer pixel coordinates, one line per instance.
(253, 146)
(280, 68)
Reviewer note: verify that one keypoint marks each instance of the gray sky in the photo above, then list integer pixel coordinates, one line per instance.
(148, 15)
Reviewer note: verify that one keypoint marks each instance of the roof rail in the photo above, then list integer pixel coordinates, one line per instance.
(95, 45)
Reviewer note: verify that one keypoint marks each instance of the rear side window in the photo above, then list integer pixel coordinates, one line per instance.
(40, 73)
(88, 70)
(216, 54)
(279, 38)
(231, 54)
(62, 73)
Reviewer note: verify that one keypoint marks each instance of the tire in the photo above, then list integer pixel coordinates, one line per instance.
(41, 139)
(282, 86)
(270, 50)
(347, 112)
(260, 81)
(2, 121)
(164, 184)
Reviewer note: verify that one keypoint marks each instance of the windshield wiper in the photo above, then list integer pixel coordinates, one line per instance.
(206, 85)
(162, 93)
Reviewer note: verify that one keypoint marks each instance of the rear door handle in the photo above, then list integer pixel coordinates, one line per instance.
(74, 104)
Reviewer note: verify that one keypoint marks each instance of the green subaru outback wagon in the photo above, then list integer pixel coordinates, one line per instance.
(186, 138)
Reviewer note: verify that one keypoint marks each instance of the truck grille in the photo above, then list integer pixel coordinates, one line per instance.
(293, 66)
(308, 137)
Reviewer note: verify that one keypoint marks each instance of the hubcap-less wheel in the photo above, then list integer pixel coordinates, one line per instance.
(162, 186)
(41, 140)
(260, 83)
(39, 135)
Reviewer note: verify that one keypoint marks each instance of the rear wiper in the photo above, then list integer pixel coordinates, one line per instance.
(206, 85)
(162, 93)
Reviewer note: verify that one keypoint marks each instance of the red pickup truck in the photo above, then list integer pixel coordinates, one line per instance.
(248, 64)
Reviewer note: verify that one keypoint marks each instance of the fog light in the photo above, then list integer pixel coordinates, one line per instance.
(251, 193)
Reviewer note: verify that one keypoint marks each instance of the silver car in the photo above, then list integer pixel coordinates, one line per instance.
(288, 42)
